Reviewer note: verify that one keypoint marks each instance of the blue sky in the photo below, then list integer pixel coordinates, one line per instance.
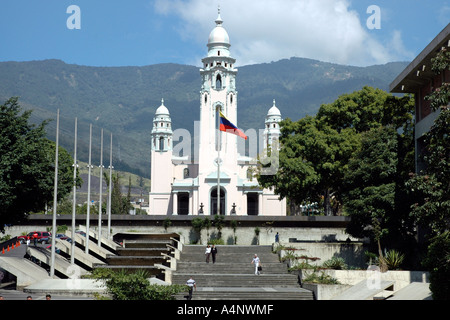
(145, 32)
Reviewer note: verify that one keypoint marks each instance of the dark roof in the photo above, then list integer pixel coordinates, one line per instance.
(418, 73)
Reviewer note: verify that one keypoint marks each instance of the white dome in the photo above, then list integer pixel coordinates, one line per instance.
(218, 35)
(274, 111)
(162, 110)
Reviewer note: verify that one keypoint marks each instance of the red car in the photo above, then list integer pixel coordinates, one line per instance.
(40, 236)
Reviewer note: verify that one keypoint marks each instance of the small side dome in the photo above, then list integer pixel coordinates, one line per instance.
(274, 111)
(162, 110)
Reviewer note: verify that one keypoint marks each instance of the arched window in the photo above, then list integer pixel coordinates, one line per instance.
(161, 143)
(218, 82)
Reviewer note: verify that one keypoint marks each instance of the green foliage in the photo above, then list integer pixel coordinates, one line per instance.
(315, 154)
(167, 223)
(122, 285)
(219, 224)
(394, 259)
(119, 204)
(430, 187)
(321, 278)
(126, 98)
(337, 263)
(438, 263)
(27, 165)
(217, 241)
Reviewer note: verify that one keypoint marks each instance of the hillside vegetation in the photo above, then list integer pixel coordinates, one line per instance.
(122, 100)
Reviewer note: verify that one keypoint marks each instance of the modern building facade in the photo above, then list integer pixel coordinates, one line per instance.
(219, 180)
(420, 80)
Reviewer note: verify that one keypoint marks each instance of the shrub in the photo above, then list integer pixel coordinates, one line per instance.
(394, 259)
(321, 278)
(336, 263)
(437, 262)
(122, 285)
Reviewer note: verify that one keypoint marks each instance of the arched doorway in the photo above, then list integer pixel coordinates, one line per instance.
(183, 203)
(252, 204)
(213, 196)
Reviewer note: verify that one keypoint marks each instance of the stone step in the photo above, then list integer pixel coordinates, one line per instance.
(142, 251)
(239, 280)
(134, 260)
(249, 294)
(145, 244)
(230, 268)
(229, 257)
(230, 249)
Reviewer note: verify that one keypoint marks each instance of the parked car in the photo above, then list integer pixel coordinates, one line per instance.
(41, 235)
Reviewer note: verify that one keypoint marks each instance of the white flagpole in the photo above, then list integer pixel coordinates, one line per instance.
(110, 189)
(219, 144)
(101, 187)
(55, 200)
(89, 192)
(74, 205)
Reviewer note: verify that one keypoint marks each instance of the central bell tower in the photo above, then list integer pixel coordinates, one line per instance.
(218, 92)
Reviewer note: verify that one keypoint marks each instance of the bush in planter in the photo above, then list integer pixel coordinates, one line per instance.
(394, 259)
(336, 263)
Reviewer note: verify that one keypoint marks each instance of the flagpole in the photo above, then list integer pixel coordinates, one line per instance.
(110, 189)
(86, 247)
(100, 197)
(74, 204)
(55, 201)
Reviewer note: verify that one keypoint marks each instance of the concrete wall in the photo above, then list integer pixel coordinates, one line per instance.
(245, 234)
(348, 278)
(352, 253)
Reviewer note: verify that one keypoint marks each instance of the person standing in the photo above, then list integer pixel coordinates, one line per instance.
(213, 253)
(277, 238)
(35, 237)
(191, 285)
(257, 262)
(208, 253)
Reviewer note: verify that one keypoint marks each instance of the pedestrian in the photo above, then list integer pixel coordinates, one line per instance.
(48, 297)
(191, 285)
(28, 241)
(213, 253)
(35, 236)
(208, 253)
(29, 298)
(277, 238)
(257, 262)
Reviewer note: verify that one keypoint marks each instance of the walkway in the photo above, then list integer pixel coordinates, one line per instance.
(232, 276)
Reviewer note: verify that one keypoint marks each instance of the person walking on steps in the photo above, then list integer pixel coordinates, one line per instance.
(213, 253)
(257, 262)
(191, 284)
(208, 253)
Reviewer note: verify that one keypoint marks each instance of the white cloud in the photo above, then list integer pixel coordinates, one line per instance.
(270, 30)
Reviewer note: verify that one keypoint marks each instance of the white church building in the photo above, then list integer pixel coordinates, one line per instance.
(219, 180)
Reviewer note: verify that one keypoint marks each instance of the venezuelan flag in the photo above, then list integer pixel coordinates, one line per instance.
(227, 126)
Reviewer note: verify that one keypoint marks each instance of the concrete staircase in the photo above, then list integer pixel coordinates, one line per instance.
(141, 251)
(232, 276)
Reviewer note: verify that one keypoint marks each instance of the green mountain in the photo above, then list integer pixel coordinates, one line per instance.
(122, 100)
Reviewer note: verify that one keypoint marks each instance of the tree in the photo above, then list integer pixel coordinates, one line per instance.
(119, 204)
(431, 186)
(315, 151)
(27, 165)
(374, 186)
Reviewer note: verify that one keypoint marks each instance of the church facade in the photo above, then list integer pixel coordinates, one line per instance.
(219, 180)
